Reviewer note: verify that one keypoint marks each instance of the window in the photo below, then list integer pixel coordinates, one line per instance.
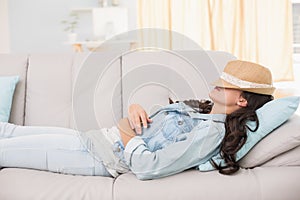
(296, 36)
(296, 27)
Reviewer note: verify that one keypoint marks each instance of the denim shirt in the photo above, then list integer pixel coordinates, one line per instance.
(179, 138)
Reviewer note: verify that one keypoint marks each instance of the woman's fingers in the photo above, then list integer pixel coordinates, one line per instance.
(138, 116)
(137, 124)
(144, 120)
(130, 123)
(149, 120)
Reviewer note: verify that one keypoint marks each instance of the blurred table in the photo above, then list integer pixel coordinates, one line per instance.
(78, 46)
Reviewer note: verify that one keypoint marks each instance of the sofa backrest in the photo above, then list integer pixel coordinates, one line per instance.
(88, 91)
(11, 65)
(150, 78)
(48, 91)
(97, 90)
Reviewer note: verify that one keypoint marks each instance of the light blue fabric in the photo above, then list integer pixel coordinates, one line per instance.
(270, 116)
(179, 138)
(7, 88)
(54, 149)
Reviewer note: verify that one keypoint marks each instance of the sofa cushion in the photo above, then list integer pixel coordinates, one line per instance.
(35, 185)
(150, 78)
(96, 83)
(288, 158)
(48, 98)
(7, 89)
(270, 116)
(12, 65)
(258, 183)
(282, 139)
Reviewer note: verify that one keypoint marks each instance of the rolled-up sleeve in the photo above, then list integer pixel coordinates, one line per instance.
(199, 145)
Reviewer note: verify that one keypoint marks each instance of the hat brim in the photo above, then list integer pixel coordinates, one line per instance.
(221, 83)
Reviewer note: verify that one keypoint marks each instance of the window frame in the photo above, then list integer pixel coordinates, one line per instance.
(296, 56)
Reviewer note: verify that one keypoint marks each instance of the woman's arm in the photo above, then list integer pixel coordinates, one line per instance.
(199, 146)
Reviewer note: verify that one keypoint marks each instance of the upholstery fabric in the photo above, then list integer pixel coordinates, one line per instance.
(11, 65)
(270, 116)
(26, 184)
(51, 79)
(259, 183)
(282, 139)
(7, 89)
(48, 97)
(179, 75)
(288, 158)
(96, 83)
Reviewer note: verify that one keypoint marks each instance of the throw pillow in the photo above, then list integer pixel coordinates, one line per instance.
(7, 88)
(282, 139)
(270, 116)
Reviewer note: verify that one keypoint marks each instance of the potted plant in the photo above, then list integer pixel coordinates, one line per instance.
(70, 26)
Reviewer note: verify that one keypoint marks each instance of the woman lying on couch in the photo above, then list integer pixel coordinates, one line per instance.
(175, 138)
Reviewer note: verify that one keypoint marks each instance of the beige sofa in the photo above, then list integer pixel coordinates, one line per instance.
(49, 83)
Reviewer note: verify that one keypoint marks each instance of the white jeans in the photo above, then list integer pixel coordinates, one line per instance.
(52, 149)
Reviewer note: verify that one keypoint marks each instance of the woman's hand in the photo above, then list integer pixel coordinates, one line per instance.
(136, 116)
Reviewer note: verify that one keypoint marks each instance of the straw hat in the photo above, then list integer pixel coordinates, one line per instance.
(246, 76)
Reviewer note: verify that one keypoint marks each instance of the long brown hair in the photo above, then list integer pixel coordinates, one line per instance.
(236, 130)
(235, 127)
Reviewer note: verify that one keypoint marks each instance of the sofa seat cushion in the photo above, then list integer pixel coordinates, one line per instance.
(35, 185)
(258, 183)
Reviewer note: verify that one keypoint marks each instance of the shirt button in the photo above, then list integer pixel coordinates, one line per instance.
(180, 122)
(118, 149)
(166, 112)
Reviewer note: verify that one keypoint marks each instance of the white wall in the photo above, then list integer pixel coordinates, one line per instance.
(35, 25)
(132, 12)
(4, 28)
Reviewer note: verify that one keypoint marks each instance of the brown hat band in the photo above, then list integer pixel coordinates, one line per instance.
(241, 83)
